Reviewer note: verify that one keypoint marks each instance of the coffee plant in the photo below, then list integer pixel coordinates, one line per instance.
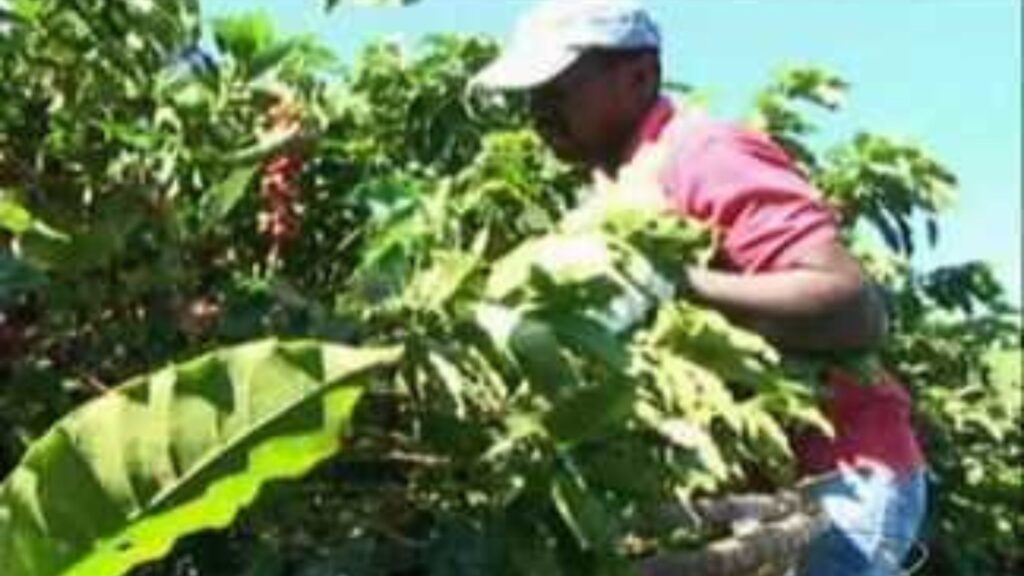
(229, 261)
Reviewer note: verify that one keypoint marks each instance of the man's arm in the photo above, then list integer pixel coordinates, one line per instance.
(823, 302)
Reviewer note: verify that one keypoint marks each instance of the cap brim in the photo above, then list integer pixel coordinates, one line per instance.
(520, 69)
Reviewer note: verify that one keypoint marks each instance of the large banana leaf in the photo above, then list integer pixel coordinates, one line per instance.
(118, 481)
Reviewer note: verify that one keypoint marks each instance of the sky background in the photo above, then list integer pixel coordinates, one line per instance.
(942, 73)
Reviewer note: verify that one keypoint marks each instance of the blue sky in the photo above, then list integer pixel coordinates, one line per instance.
(943, 73)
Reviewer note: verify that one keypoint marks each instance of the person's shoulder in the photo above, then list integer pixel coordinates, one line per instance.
(694, 131)
(710, 139)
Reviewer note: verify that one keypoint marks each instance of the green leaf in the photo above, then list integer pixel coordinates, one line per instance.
(580, 508)
(565, 259)
(118, 481)
(536, 348)
(14, 217)
(243, 36)
(532, 344)
(273, 56)
(435, 286)
(304, 51)
(87, 248)
(221, 199)
(762, 427)
(267, 147)
(17, 220)
(592, 412)
(707, 337)
(590, 339)
(46, 252)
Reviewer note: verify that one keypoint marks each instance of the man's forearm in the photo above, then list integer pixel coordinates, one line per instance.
(798, 309)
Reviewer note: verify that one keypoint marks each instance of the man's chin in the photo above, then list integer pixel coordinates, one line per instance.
(571, 156)
(563, 149)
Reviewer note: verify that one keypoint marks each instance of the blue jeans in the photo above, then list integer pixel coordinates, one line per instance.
(874, 519)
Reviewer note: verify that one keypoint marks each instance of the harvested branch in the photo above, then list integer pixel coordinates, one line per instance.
(773, 546)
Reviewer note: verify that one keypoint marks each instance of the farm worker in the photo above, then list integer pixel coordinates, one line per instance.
(592, 71)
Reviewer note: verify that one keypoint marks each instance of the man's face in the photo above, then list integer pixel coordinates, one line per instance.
(587, 114)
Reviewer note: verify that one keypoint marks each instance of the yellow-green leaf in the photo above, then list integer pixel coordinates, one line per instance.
(117, 482)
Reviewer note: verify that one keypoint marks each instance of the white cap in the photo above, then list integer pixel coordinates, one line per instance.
(554, 33)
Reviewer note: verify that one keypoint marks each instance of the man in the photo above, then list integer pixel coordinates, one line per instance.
(592, 71)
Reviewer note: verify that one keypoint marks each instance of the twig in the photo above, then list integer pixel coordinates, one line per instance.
(769, 545)
(95, 385)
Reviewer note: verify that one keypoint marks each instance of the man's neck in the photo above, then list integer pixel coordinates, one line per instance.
(644, 121)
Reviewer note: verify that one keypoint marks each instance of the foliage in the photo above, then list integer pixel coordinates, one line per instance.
(115, 483)
(158, 200)
(961, 345)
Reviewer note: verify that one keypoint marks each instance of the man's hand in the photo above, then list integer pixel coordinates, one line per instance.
(824, 302)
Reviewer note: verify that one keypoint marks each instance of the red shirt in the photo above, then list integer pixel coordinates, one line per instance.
(746, 187)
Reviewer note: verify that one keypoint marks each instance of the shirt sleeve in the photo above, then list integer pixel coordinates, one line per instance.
(747, 188)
